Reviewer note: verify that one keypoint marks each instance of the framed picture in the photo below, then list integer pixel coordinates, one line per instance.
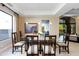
(31, 28)
(45, 27)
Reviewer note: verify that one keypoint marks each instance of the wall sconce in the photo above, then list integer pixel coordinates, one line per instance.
(26, 22)
(39, 23)
(50, 23)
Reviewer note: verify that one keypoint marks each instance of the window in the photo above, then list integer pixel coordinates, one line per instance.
(5, 25)
(73, 25)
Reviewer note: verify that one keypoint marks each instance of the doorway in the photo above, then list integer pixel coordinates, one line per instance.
(67, 25)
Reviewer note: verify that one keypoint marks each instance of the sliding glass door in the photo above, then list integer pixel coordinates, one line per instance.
(5, 31)
(5, 26)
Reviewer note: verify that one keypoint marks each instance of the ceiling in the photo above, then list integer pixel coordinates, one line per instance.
(33, 9)
(72, 12)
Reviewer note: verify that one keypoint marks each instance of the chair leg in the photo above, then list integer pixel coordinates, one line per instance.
(12, 50)
(15, 48)
(25, 47)
(21, 49)
(59, 49)
(54, 54)
(65, 48)
(68, 50)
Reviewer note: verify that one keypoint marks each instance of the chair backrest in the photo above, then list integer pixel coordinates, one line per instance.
(20, 35)
(67, 39)
(61, 38)
(14, 38)
(50, 40)
(33, 39)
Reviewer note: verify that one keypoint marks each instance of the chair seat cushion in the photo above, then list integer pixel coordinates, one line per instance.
(19, 43)
(47, 48)
(62, 44)
(35, 38)
(32, 49)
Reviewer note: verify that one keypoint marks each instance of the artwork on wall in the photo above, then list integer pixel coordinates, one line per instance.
(45, 27)
(31, 28)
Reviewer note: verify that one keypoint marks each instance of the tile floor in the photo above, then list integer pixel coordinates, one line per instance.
(74, 51)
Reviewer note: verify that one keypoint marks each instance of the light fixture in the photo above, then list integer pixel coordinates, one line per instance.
(50, 23)
(26, 22)
(39, 23)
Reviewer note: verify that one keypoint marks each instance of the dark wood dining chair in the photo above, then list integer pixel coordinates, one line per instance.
(49, 45)
(64, 46)
(26, 43)
(33, 45)
(21, 36)
(15, 43)
(41, 43)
